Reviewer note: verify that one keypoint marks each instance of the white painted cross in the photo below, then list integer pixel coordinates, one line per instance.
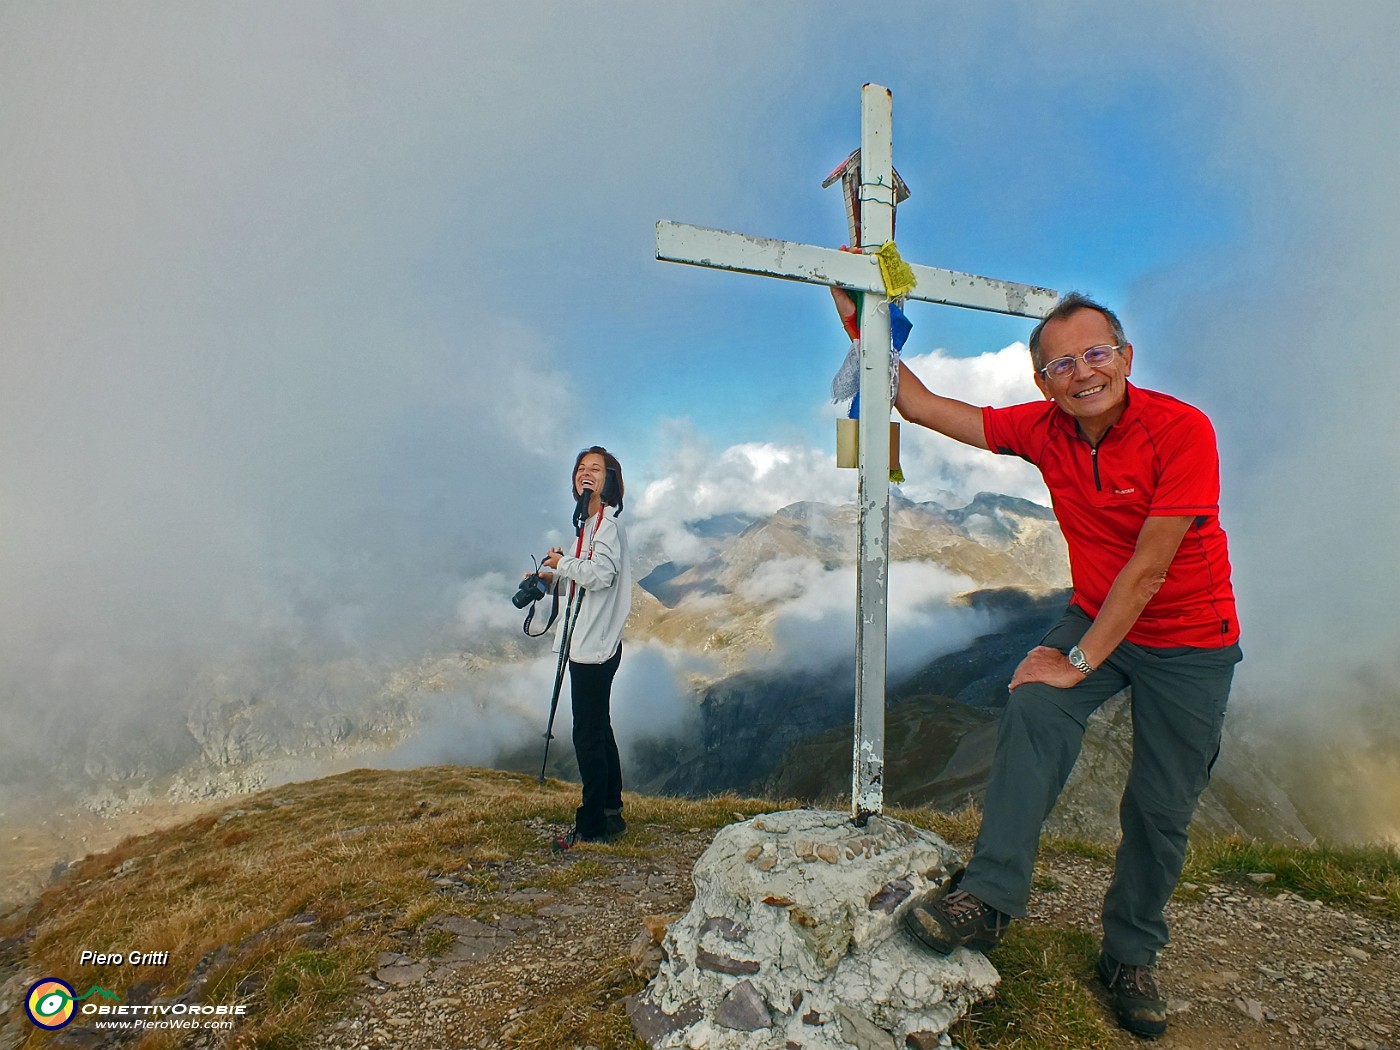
(698, 246)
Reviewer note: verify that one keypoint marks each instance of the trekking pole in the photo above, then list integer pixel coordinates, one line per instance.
(570, 618)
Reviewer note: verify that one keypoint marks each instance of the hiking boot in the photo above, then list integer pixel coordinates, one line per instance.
(574, 836)
(614, 824)
(1137, 1000)
(950, 918)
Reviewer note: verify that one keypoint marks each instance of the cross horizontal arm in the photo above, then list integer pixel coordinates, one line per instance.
(721, 249)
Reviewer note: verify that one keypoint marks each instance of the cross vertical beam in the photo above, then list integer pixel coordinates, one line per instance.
(810, 264)
(873, 499)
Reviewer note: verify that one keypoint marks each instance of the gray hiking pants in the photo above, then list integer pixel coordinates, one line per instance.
(1178, 707)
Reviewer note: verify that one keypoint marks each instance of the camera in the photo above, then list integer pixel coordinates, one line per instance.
(532, 589)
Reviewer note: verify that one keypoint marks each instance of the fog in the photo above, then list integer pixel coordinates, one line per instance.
(813, 628)
(275, 388)
(505, 712)
(304, 310)
(1290, 341)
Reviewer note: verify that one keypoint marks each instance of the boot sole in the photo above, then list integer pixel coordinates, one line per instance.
(927, 939)
(942, 945)
(1145, 1029)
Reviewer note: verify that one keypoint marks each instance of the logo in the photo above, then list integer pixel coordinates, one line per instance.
(49, 1003)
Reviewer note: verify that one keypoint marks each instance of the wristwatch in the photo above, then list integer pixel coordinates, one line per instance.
(1080, 661)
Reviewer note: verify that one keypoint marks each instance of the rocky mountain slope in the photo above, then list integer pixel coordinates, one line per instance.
(995, 541)
(788, 735)
(782, 731)
(233, 727)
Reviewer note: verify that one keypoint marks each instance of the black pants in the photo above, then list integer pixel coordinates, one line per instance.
(594, 745)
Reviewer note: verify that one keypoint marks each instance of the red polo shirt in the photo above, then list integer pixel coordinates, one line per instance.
(1160, 459)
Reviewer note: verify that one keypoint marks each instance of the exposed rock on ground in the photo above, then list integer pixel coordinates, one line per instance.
(794, 940)
(1248, 967)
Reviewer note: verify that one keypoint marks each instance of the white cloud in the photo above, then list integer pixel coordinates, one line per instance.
(939, 469)
(508, 708)
(1000, 377)
(782, 580)
(503, 710)
(814, 626)
(652, 698)
(750, 479)
(758, 478)
(754, 478)
(484, 607)
(289, 351)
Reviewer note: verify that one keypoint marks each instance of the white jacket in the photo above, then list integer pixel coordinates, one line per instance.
(606, 578)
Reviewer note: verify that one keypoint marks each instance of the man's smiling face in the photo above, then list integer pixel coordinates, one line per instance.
(1095, 397)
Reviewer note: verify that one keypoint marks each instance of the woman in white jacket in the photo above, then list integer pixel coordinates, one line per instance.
(600, 565)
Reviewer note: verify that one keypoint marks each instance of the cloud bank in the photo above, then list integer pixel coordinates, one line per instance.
(305, 309)
(506, 709)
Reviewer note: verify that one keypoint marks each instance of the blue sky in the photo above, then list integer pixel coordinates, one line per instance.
(306, 306)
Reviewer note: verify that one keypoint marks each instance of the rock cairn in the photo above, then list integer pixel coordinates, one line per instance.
(794, 941)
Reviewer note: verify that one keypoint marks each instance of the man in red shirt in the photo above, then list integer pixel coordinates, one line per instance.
(1134, 477)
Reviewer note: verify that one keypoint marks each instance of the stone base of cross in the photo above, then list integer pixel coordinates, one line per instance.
(823, 961)
(812, 264)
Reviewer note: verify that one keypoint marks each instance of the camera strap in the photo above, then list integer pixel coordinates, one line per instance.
(530, 615)
(578, 553)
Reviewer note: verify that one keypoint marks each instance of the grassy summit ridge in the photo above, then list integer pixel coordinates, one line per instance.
(285, 899)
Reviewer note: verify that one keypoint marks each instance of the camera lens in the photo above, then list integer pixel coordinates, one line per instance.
(531, 590)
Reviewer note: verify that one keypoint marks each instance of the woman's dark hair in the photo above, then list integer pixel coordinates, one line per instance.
(613, 488)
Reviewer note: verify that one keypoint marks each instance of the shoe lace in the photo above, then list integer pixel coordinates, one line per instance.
(1137, 981)
(962, 906)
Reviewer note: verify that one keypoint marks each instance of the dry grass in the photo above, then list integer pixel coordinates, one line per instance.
(1350, 876)
(232, 897)
(222, 892)
(590, 1015)
(958, 828)
(1044, 1002)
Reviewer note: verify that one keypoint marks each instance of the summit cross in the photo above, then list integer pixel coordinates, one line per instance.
(812, 264)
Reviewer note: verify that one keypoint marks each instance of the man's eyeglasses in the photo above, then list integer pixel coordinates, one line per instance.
(1094, 357)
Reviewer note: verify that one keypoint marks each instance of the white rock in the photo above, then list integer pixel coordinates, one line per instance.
(814, 931)
(1251, 1008)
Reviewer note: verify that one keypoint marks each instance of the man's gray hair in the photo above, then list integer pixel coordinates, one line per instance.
(1069, 304)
